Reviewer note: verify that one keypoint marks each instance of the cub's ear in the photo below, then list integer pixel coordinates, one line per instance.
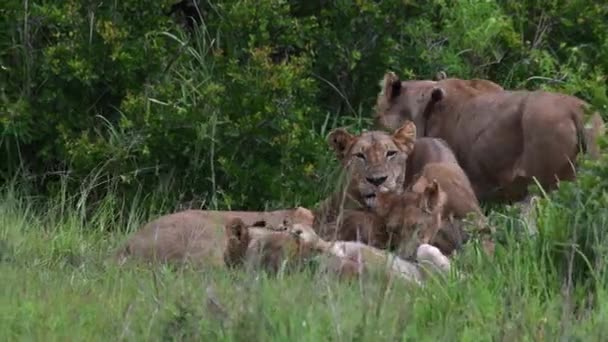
(440, 75)
(437, 94)
(434, 197)
(405, 136)
(340, 141)
(235, 228)
(391, 86)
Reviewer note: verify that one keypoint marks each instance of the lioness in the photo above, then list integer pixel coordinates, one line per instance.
(200, 237)
(372, 161)
(351, 259)
(502, 139)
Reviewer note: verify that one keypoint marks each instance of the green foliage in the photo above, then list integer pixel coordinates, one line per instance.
(573, 221)
(60, 284)
(234, 114)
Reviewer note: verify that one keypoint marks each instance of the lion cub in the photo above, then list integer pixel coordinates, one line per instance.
(272, 248)
(414, 217)
(432, 159)
(183, 238)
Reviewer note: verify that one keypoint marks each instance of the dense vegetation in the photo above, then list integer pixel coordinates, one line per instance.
(120, 93)
(112, 111)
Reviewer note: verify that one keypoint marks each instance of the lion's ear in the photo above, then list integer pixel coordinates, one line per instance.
(440, 75)
(391, 86)
(405, 136)
(434, 197)
(303, 216)
(340, 141)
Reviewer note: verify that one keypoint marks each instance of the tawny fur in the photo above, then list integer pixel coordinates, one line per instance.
(372, 161)
(461, 200)
(426, 151)
(199, 237)
(413, 218)
(502, 139)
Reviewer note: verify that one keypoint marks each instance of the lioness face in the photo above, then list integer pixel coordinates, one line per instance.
(374, 161)
(410, 100)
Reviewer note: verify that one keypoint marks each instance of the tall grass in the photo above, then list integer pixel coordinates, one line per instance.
(58, 284)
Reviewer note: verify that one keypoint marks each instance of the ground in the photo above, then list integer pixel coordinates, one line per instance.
(58, 285)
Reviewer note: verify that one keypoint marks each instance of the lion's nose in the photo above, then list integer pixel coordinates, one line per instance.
(376, 180)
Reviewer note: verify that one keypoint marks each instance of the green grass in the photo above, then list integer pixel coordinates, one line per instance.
(58, 284)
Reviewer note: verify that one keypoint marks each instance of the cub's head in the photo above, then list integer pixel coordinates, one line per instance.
(416, 210)
(416, 99)
(375, 160)
(273, 249)
(238, 238)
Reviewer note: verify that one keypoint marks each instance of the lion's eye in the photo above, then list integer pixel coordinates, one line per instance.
(360, 155)
(390, 153)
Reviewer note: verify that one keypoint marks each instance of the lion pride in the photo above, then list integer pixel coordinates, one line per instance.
(502, 139)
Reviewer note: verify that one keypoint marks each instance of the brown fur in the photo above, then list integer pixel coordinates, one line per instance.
(412, 218)
(373, 161)
(432, 159)
(351, 259)
(274, 249)
(461, 199)
(238, 241)
(476, 83)
(200, 237)
(502, 139)
(426, 151)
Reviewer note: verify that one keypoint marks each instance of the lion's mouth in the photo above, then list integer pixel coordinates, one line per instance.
(370, 200)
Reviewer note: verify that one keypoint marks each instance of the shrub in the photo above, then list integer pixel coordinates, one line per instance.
(233, 112)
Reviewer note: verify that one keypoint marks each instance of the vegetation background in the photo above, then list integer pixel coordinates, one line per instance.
(114, 111)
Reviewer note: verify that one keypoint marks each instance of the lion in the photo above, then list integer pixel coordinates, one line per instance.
(429, 158)
(372, 161)
(502, 139)
(424, 214)
(273, 249)
(432, 159)
(351, 259)
(461, 200)
(416, 217)
(238, 241)
(426, 151)
(203, 237)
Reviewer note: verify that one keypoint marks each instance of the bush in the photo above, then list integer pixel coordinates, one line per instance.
(234, 112)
